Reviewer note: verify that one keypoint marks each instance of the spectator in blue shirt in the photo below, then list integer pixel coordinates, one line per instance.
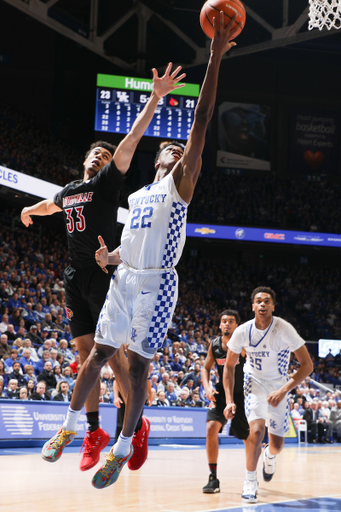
(39, 366)
(176, 363)
(26, 359)
(195, 375)
(170, 394)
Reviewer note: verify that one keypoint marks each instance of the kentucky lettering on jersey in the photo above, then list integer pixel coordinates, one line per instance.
(153, 198)
(155, 231)
(261, 354)
(78, 198)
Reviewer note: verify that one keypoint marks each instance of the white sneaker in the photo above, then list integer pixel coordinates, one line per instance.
(269, 466)
(250, 489)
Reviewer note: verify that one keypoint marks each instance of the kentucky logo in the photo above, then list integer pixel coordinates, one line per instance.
(273, 424)
(205, 231)
(133, 335)
(69, 313)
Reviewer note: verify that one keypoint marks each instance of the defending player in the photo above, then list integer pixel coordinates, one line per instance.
(229, 321)
(90, 205)
(142, 296)
(268, 341)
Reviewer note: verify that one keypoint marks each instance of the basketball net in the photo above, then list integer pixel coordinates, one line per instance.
(324, 13)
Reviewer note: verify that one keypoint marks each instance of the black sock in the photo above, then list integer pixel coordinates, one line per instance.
(213, 470)
(93, 421)
(139, 424)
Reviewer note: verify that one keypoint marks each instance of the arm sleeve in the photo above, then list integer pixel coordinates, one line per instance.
(291, 337)
(58, 198)
(237, 341)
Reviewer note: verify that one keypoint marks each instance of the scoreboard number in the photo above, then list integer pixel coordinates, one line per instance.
(105, 95)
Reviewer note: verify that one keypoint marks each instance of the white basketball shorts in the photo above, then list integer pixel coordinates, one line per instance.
(256, 393)
(138, 309)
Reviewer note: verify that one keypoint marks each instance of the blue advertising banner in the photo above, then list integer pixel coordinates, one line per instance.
(176, 422)
(243, 136)
(28, 420)
(41, 420)
(264, 235)
(314, 142)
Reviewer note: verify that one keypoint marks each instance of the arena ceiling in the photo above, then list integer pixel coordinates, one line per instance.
(137, 35)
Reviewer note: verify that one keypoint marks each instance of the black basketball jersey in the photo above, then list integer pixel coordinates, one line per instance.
(219, 355)
(90, 209)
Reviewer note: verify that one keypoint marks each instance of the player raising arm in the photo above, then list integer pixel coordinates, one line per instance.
(142, 297)
(86, 205)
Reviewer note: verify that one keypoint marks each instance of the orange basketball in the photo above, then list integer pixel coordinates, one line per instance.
(212, 8)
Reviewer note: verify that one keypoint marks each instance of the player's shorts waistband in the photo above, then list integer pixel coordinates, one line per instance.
(146, 271)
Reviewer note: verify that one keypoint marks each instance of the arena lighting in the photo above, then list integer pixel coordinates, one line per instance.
(40, 188)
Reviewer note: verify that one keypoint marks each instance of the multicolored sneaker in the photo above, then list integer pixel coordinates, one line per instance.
(140, 444)
(53, 449)
(110, 471)
(93, 443)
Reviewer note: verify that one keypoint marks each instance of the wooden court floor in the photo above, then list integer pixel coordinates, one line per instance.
(170, 481)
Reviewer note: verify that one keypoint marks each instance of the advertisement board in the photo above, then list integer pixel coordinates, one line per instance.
(243, 136)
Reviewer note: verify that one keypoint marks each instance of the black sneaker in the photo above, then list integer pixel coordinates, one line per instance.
(212, 486)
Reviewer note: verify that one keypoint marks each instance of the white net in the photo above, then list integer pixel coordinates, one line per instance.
(324, 13)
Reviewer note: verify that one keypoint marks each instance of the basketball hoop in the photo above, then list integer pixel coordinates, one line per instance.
(324, 13)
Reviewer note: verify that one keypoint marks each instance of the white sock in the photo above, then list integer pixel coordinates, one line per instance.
(268, 454)
(122, 446)
(251, 475)
(72, 417)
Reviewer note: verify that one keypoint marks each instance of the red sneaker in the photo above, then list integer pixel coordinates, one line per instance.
(93, 443)
(140, 444)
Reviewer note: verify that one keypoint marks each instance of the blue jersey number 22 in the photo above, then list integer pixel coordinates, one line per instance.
(137, 220)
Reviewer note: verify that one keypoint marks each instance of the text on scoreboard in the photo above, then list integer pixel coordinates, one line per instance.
(120, 99)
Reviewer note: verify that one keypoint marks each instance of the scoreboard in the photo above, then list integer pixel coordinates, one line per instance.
(120, 99)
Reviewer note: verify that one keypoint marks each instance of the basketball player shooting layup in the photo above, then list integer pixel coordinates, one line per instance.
(143, 293)
(88, 205)
(268, 341)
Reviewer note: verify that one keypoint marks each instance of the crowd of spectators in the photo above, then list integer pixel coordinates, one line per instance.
(26, 147)
(36, 344)
(219, 199)
(320, 408)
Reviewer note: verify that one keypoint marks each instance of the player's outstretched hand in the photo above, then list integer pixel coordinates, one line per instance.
(101, 255)
(230, 411)
(26, 219)
(168, 82)
(221, 41)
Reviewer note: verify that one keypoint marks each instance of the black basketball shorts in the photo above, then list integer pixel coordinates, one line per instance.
(239, 425)
(85, 292)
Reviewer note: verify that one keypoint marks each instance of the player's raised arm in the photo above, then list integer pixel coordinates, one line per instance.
(187, 171)
(161, 87)
(45, 207)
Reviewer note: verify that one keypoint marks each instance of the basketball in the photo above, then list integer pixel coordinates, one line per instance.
(212, 8)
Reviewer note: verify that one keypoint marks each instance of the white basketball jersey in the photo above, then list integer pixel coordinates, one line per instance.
(267, 351)
(155, 232)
